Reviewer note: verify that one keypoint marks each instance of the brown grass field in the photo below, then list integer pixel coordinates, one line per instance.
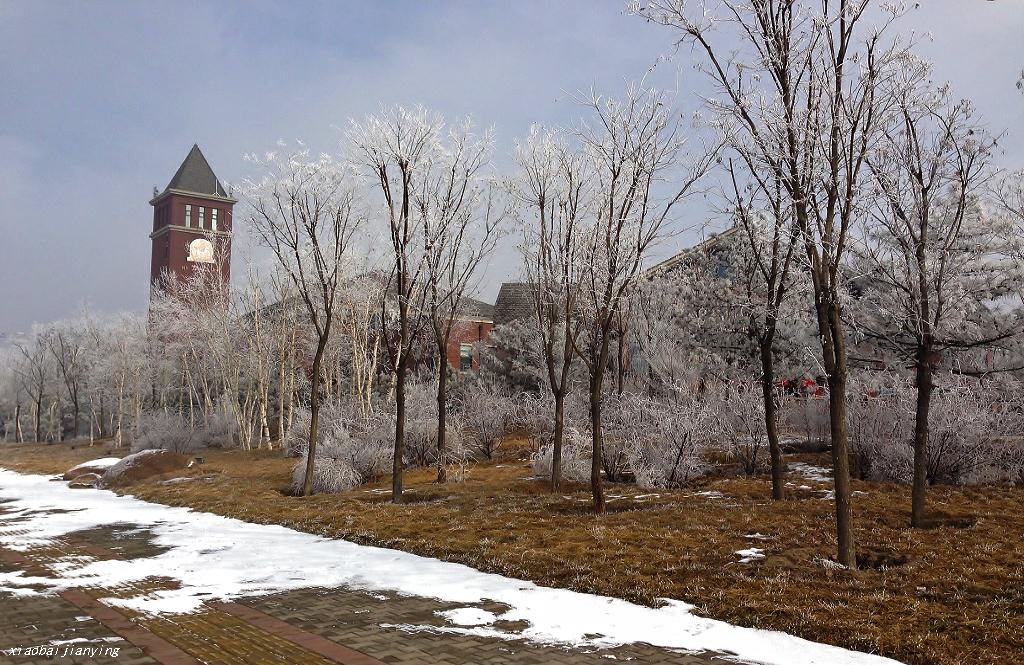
(952, 594)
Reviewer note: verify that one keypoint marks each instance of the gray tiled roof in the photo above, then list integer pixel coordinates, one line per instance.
(471, 309)
(195, 175)
(515, 301)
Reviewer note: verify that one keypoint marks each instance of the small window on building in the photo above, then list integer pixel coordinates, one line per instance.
(213, 219)
(202, 217)
(465, 356)
(188, 215)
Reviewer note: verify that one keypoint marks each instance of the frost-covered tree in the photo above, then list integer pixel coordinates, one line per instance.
(396, 150)
(455, 201)
(934, 271)
(797, 85)
(554, 189)
(305, 210)
(635, 148)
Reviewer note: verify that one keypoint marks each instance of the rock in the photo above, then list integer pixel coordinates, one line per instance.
(84, 480)
(142, 465)
(96, 466)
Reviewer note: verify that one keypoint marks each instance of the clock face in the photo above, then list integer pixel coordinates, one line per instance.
(200, 250)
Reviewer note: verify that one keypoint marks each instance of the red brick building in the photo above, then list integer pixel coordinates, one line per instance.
(192, 220)
(474, 324)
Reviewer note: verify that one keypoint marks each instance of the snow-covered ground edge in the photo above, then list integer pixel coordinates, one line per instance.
(215, 557)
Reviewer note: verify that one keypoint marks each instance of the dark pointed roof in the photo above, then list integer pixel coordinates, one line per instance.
(514, 302)
(195, 176)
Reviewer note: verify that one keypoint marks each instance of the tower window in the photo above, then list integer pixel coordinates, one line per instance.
(465, 356)
(202, 217)
(213, 219)
(188, 215)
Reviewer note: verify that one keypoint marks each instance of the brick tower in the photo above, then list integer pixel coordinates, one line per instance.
(192, 221)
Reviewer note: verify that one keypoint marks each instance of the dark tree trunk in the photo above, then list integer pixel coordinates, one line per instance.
(834, 357)
(314, 416)
(18, 437)
(771, 419)
(37, 422)
(399, 456)
(556, 443)
(596, 486)
(77, 413)
(442, 404)
(925, 386)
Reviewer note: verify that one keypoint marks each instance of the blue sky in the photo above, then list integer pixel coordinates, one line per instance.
(102, 100)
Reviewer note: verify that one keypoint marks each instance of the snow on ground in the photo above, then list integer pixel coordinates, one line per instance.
(750, 555)
(215, 557)
(813, 473)
(101, 463)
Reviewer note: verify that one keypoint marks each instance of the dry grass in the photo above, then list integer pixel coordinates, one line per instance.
(959, 598)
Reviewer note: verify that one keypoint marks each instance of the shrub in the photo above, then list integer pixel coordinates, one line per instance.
(576, 457)
(674, 450)
(162, 430)
(744, 436)
(487, 414)
(349, 450)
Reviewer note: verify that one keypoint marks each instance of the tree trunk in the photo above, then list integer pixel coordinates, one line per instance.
(556, 443)
(597, 437)
(37, 420)
(924, 399)
(442, 404)
(771, 418)
(77, 409)
(399, 455)
(19, 436)
(314, 414)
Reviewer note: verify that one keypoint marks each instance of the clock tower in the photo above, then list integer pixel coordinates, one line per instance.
(192, 221)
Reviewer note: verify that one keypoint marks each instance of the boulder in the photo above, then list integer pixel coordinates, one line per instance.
(84, 480)
(96, 466)
(142, 465)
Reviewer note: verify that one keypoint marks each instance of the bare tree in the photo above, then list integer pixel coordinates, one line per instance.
(933, 265)
(66, 342)
(34, 371)
(395, 149)
(460, 228)
(553, 186)
(635, 146)
(797, 85)
(305, 210)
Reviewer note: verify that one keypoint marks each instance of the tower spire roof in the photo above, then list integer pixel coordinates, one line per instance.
(196, 177)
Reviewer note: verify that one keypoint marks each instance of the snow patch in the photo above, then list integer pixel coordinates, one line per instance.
(469, 616)
(218, 558)
(750, 555)
(101, 463)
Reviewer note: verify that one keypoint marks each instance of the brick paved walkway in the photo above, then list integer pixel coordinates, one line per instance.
(309, 626)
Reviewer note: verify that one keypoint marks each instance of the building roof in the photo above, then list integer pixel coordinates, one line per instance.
(708, 244)
(195, 176)
(471, 309)
(514, 302)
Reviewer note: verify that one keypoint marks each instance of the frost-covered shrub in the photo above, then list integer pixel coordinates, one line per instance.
(880, 420)
(675, 449)
(576, 447)
(349, 451)
(744, 436)
(488, 415)
(808, 417)
(975, 432)
(162, 430)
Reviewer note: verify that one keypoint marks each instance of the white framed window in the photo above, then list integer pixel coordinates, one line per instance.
(202, 217)
(188, 214)
(465, 356)
(213, 219)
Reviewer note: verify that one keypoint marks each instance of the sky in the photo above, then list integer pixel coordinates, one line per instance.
(100, 102)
